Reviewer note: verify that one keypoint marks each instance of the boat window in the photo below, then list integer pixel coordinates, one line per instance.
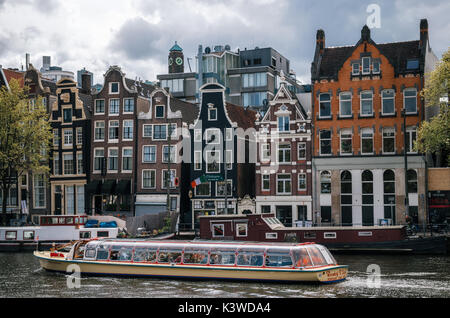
(102, 234)
(316, 256)
(11, 235)
(278, 258)
(62, 221)
(222, 257)
(85, 235)
(102, 252)
(169, 256)
(250, 257)
(195, 256)
(328, 257)
(301, 257)
(90, 251)
(28, 235)
(69, 221)
(143, 254)
(121, 253)
(54, 221)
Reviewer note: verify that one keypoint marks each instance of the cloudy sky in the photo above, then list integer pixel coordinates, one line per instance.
(137, 34)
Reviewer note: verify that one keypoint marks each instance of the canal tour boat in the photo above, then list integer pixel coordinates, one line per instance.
(307, 262)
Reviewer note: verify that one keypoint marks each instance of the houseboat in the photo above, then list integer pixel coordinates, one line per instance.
(51, 229)
(199, 260)
(380, 239)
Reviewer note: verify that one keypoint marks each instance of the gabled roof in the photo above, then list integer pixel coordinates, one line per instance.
(11, 74)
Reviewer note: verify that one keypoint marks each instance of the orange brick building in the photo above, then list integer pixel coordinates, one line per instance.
(359, 92)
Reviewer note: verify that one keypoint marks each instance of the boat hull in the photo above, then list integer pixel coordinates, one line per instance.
(325, 274)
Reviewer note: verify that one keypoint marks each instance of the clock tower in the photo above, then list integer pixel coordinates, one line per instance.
(176, 59)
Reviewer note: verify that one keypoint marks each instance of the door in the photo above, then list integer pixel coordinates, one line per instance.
(57, 203)
(98, 204)
(367, 215)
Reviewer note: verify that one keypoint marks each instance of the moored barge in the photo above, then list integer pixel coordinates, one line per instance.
(307, 262)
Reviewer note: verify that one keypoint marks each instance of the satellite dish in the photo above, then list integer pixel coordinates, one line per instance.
(207, 50)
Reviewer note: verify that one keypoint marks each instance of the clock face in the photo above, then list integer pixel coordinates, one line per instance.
(170, 61)
(179, 60)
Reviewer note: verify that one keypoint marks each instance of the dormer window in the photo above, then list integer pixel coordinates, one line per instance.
(366, 65)
(159, 111)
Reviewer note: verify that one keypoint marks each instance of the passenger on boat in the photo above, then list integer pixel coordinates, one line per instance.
(302, 257)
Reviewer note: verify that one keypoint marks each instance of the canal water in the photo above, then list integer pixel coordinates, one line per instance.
(369, 276)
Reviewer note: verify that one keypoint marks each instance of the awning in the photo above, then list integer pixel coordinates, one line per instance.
(93, 187)
(108, 186)
(124, 187)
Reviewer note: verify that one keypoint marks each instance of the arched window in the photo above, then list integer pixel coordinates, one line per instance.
(367, 198)
(325, 182)
(412, 181)
(346, 198)
(389, 195)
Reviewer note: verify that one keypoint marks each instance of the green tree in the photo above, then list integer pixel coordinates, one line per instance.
(433, 136)
(25, 136)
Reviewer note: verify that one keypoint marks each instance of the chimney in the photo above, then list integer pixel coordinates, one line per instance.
(27, 61)
(365, 33)
(320, 40)
(86, 80)
(423, 32)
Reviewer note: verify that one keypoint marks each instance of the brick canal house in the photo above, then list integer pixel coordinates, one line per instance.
(359, 92)
(283, 171)
(114, 142)
(160, 124)
(220, 169)
(70, 155)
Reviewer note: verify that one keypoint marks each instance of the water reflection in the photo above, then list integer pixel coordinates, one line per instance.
(400, 276)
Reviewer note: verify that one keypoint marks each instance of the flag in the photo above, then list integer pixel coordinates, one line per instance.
(197, 181)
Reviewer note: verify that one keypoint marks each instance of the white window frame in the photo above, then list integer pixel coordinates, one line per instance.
(383, 137)
(340, 104)
(143, 131)
(153, 132)
(80, 163)
(124, 102)
(357, 70)
(172, 184)
(95, 157)
(362, 64)
(320, 102)
(152, 171)
(95, 107)
(110, 88)
(410, 141)
(172, 153)
(40, 188)
(95, 130)
(284, 151)
(143, 153)
(115, 140)
(347, 132)
(361, 103)
(265, 177)
(164, 111)
(367, 131)
(385, 98)
(68, 144)
(320, 143)
(125, 122)
(237, 229)
(265, 152)
(304, 177)
(213, 131)
(79, 133)
(109, 158)
(118, 107)
(410, 89)
(283, 119)
(284, 184)
(123, 159)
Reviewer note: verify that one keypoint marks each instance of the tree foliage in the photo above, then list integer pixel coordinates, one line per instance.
(25, 136)
(433, 136)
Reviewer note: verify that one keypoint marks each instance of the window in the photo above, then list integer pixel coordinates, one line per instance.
(148, 129)
(346, 198)
(283, 123)
(39, 190)
(28, 235)
(213, 136)
(410, 100)
(99, 154)
(412, 64)
(127, 159)
(68, 163)
(325, 105)
(229, 159)
(367, 198)
(165, 154)
(254, 99)
(388, 102)
(301, 151)
(159, 111)
(411, 133)
(10, 235)
(68, 137)
(254, 80)
(302, 181)
(80, 165)
(56, 170)
(212, 161)
(99, 106)
(148, 179)
(265, 186)
(220, 188)
(366, 141)
(55, 137)
(388, 140)
(197, 160)
(203, 189)
(346, 141)
(113, 159)
(114, 88)
(241, 230)
(113, 130)
(160, 132)
(114, 105)
(218, 230)
(355, 69)
(70, 200)
(325, 182)
(376, 67)
(128, 105)
(79, 135)
(366, 65)
(174, 85)
(99, 130)
(412, 181)
(325, 142)
(128, 130)
(284, 184)
(366, 103)
(67, 115)
(171, 180)
(149, 154)
(212, 114)
(345, 104)
(389, 194)
(284, 153)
